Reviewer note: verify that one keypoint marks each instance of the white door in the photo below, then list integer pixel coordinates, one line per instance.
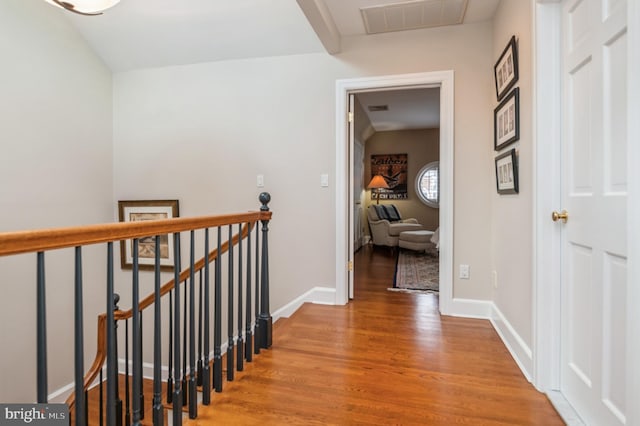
(350, 192)
(594, 247)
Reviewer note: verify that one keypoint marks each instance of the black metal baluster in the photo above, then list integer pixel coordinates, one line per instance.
(140, 366)
(41, 320)
(177, 393)
(158, 412)
(256, 329)
(80, 414)
(193, 403)
(127, 381)
(206, 378)
(248, 334)
(112, 372)
(230, 360)
(200, 301)
(101, 403)
(136, 336)
(170, 372)
(116, 299)
(86, 407)
(185, 388)
(265, 319)
(217, 325)
(240, 342)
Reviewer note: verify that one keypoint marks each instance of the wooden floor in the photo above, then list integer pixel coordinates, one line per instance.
(385, 358)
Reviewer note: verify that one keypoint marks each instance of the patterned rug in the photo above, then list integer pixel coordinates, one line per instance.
(417, 271)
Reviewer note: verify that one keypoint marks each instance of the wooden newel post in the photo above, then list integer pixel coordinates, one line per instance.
(264, 319)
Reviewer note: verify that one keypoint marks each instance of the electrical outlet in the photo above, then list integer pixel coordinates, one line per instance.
(464, 272)
(494, 279)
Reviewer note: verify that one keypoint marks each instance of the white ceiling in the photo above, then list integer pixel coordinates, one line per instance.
(139, 34)
(408, 109)
(346, 13)
(155, 33)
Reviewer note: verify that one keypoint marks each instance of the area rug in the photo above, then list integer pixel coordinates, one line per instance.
(417, 271)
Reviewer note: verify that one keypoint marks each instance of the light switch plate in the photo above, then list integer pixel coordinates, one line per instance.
(324, 180)
(260, 181)
(464, 272)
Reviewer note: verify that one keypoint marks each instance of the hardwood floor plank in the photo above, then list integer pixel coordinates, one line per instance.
(385, 358)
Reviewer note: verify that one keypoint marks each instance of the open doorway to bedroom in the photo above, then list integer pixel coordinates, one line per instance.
(396, 154)
(346, 210)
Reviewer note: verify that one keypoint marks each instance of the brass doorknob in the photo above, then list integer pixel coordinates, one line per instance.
(563, 216)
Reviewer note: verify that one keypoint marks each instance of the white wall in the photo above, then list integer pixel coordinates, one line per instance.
(512, 215)
(209, 129)
(55, 170)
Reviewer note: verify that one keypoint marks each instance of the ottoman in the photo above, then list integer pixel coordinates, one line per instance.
(415, 240)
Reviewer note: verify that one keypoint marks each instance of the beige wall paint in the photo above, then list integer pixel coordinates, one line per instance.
(212, 127)
(422, 147)
(56, 169)
(512, 217)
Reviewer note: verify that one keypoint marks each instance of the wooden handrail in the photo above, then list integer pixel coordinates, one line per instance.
(19, 242)
(101, 353)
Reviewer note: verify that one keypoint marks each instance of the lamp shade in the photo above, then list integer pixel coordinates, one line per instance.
(377, 182)
(85, 7)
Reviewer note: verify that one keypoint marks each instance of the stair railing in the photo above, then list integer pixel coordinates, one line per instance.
(183, 379)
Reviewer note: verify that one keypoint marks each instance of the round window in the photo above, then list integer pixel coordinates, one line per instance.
(428, 184)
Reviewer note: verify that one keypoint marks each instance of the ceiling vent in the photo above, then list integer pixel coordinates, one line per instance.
(374, 108)
(413, 15)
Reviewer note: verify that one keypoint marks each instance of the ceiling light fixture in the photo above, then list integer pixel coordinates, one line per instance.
(85, 7)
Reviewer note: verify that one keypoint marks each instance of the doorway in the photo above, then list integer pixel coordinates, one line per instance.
(344, 172)
(395, 136)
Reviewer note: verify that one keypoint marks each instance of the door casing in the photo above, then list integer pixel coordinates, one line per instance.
(442, 79)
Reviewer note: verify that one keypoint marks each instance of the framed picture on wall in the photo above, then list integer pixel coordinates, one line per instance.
(506, 69)
(506, 121)
(138, 210)
(393, 168)
(507, 172)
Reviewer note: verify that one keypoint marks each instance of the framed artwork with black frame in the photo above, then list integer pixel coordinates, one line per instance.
(505, 71)
(507, 172)
(141, 210)
(506, 121)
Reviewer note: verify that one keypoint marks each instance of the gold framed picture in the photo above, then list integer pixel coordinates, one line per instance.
(141, 210)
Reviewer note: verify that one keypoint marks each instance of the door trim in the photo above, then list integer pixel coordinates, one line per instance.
(633, 214)
(547, 83)
(443, 79)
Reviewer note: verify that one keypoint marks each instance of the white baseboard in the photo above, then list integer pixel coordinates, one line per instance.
(520, 351)
(319, 295)
(60, 396)
(470, 308)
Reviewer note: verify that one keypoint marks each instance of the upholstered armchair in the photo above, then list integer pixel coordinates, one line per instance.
(386, 224)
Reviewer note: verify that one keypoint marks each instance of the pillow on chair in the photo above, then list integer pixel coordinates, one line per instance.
(387, 212)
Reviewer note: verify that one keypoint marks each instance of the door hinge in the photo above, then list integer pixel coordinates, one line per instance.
(350, 117)
(350, 266)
